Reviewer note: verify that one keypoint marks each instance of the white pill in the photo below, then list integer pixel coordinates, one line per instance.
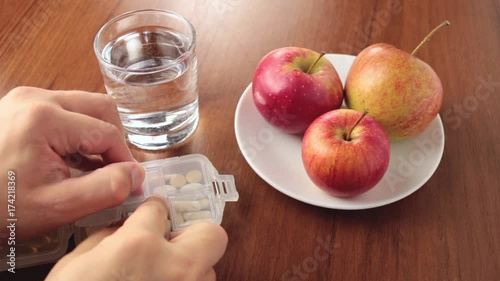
(192, 187)
(155, 179)
(187, 206)
(167, 177)
(163, 190)
(187, 223)
(204, 203)
(178, 181)
(194, 176)
(189, 216)
(179, 219)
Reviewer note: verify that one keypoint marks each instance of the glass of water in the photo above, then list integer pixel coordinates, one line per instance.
(149, 65)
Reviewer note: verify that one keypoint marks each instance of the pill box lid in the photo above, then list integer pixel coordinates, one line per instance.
(45, 256)
(217, 189)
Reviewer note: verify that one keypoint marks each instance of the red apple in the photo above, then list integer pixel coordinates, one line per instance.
(292, 86)
(345, 152)
(402, 93)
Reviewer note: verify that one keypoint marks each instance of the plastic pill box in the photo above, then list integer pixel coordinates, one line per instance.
(192, 186)
(194, 190)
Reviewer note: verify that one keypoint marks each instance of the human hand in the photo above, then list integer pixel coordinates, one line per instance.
(44, 134)
(139, 250)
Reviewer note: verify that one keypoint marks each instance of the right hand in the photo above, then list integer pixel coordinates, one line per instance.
(139, 250)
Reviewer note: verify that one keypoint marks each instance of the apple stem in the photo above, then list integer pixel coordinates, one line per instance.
(312, 66)
(348, 137)
(428, 37)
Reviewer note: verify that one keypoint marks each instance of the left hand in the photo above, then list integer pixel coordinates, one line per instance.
(44, 134)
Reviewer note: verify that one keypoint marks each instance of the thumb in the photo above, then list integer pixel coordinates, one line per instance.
(75, 198)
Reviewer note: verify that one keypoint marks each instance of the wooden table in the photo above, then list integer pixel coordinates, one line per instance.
(449, 230)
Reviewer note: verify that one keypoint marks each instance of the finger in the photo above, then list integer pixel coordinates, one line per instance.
(97, 105)
(210, 275)
(207, 241)
(84, 162)
(92, 241)
(86, 245)
(152, 215)
(75, 198)
(85, 135)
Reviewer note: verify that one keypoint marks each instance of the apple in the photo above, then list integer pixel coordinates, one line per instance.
(345, 152)
(402, 92)
(292, 86)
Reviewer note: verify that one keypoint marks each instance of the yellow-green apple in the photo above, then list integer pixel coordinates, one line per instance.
(345, 153)
(402, 92)
(292, 86)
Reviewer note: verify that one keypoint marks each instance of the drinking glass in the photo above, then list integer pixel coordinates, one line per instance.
(149, 66)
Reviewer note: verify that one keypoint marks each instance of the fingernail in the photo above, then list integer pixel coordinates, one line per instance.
(138, 173)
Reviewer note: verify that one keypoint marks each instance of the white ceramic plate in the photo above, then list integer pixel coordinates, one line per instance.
(276, 157)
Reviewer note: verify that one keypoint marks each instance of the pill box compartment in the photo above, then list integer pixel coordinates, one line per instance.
(46, 248)
(192, 186)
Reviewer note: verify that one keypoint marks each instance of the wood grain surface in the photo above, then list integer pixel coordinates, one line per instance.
(449, 230)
